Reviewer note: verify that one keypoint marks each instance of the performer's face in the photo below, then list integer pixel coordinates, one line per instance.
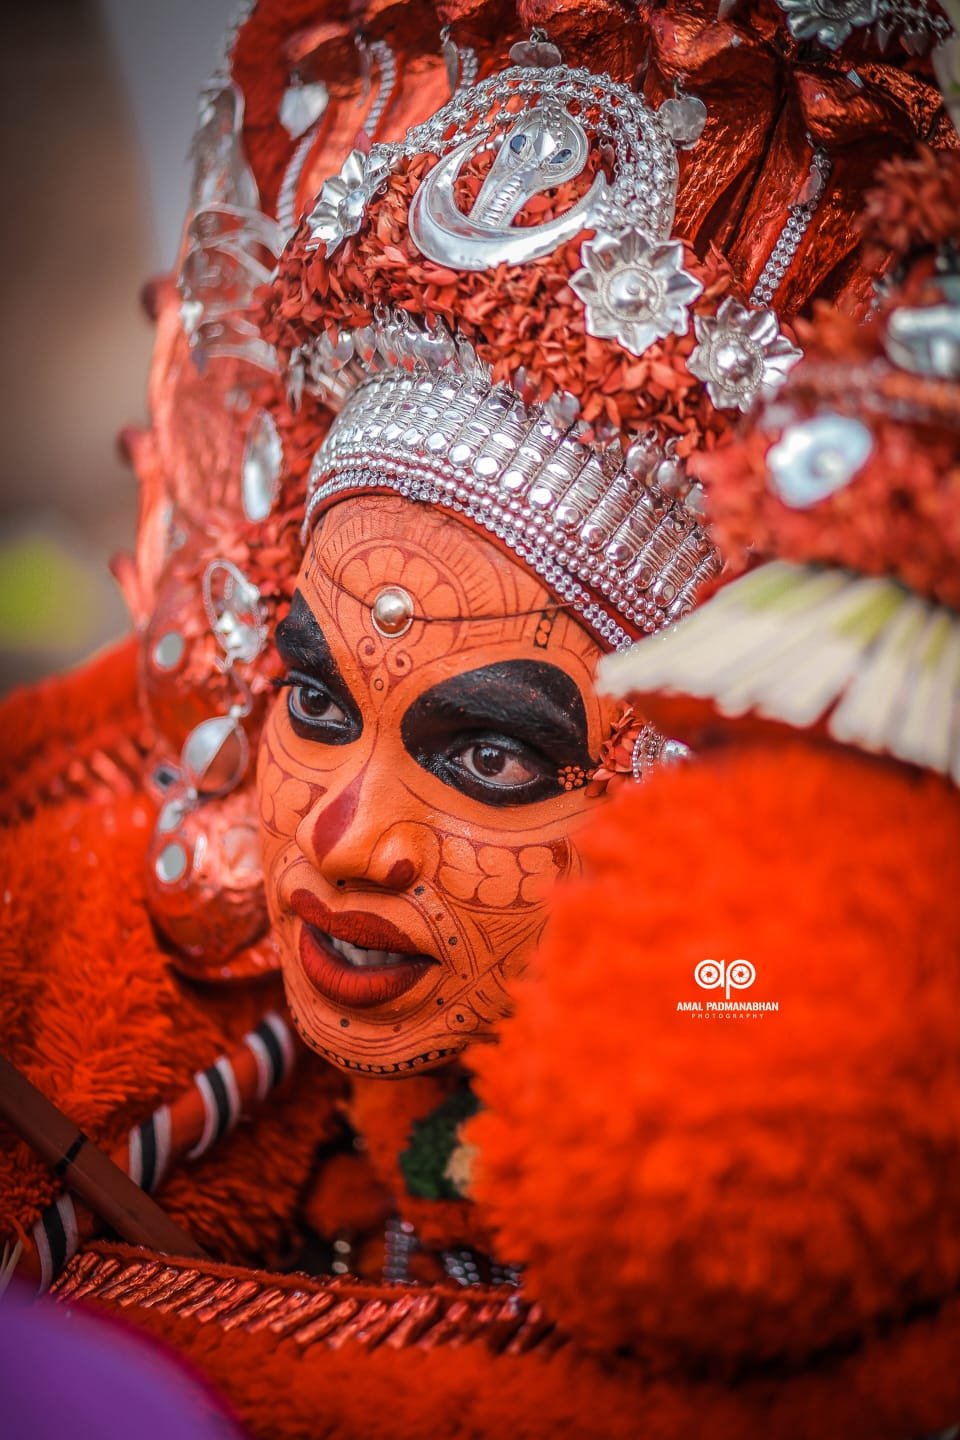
(411, 787)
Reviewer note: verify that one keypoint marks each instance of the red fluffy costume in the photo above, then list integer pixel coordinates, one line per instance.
(773, 1195)
(731, 1222)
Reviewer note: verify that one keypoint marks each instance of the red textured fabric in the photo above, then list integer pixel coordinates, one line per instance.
(70, 733)
(463, 1390)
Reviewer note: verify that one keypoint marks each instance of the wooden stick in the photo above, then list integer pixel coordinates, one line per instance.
(86, 1169)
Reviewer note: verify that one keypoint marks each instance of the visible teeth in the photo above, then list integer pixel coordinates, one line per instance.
(355, 955)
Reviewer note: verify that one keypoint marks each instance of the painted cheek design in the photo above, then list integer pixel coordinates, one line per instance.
(282, 795)
(495, 876)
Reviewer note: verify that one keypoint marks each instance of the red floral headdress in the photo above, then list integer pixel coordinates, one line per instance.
(633, 343)
(848, 487)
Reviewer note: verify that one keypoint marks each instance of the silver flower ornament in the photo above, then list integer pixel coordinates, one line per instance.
(343, 199)
(831, 21)
(740, 354)
(816, 458)
(635, 291)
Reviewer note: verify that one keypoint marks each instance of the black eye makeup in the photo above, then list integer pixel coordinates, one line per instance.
(502, 733)
(319, 703)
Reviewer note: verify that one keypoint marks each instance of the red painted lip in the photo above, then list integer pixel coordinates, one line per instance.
(332, 976)
(345, 984)
(357, 927)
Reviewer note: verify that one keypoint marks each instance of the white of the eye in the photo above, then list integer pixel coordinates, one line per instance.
(305, 716)
(502, 778)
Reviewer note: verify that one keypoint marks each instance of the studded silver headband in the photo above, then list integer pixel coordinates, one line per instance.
(420, 417)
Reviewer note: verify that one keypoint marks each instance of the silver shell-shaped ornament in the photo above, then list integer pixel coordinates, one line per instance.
(683, 118)
(339, 352)
(925, 340)
(392, 338)
(191, 316)
(302, 106)
(261, 466)
(365, 344)
(434, 346)
(670, 476)
(172, 862)
(344, 198)
(829, 21)
(740, 354)
(635, 292)
(817, 457)
(235, 611)
(167, 651)
(215, 755)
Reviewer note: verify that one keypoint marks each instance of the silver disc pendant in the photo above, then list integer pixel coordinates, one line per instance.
(302, 106)
(215, 755)
(683, 118)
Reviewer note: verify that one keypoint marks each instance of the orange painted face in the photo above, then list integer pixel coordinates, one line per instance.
(412, 783)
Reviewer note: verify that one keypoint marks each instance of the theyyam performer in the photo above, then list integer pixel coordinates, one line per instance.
(511, 951)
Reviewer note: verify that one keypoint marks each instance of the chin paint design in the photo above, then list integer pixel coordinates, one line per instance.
(411, 782)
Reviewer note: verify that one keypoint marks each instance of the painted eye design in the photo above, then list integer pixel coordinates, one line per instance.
(315, 714)
(496, 765)
(562, 156)
(312, 704)
(518, 143)
(497, 770)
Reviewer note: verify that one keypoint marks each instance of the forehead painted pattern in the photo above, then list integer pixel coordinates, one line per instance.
(370, 543)
(365, 829)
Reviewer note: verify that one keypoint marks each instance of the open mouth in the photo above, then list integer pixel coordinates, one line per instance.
(348, 973)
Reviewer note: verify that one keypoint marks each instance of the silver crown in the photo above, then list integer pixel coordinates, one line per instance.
(420, 416)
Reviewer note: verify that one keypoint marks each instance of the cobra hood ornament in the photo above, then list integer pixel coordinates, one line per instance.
(542, 124)
(545, 147)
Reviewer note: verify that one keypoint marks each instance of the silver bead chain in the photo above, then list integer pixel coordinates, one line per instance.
(789, 240)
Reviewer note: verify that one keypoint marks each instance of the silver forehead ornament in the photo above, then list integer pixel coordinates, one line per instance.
(392, 612)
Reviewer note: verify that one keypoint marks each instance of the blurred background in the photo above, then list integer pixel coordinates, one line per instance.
(98, 104)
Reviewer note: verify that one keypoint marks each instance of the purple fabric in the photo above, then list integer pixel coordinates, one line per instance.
(69, 1374)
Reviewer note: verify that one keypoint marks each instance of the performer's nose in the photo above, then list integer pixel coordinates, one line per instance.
(350, 839)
